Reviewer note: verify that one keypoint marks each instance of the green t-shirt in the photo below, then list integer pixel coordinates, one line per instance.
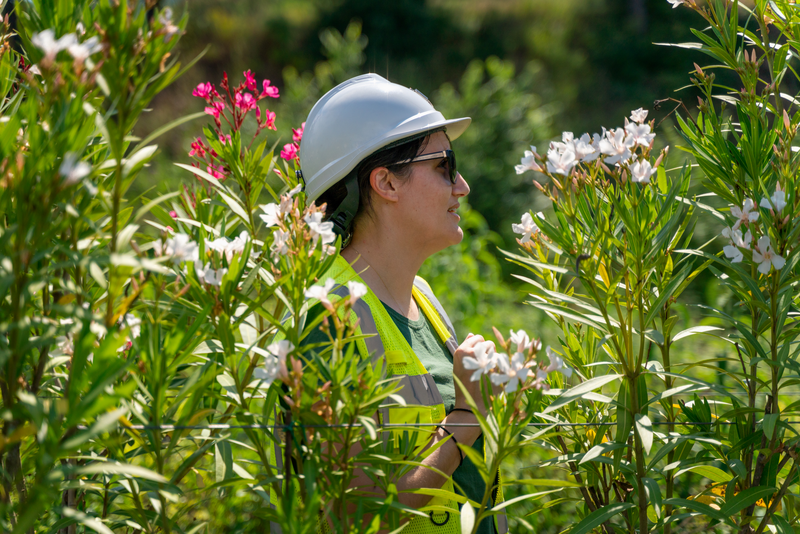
(426, 344)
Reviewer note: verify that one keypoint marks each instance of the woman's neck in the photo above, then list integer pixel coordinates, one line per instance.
(388, 269)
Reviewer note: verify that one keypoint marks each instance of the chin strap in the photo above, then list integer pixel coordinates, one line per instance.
(342, 217)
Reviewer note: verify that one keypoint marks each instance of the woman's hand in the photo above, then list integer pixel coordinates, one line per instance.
(467, 349)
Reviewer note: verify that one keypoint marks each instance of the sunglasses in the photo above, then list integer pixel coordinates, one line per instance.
(446, 154)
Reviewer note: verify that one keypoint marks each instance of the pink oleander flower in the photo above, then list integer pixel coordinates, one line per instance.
(250, 81)
(203, 90)
(217, 171)
(215, 109)
(297, 134)
(289, 151)
(269, 120)
(197, 149)
(269, 90)
(245, 101)
(225, 139)
(173, 214)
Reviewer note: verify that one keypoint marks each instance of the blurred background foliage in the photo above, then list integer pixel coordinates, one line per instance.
(524, 70)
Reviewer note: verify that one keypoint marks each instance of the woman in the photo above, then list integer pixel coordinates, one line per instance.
(379, 155)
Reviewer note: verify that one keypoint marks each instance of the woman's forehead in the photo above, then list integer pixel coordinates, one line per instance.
(437, 141)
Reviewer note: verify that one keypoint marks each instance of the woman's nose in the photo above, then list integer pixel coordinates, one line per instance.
(461, 187)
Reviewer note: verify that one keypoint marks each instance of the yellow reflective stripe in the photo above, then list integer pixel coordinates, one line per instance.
(432, 314)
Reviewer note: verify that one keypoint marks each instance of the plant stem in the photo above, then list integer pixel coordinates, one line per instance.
(641, 471)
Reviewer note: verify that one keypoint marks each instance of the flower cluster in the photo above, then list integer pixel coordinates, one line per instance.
(232, 106)
(236, 102)
(763, 253)
(612, 147)
(513, 371)
(50, 46)
(308, 226)
(181, 248)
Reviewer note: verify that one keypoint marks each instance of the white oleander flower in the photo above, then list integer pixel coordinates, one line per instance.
(521, 339)
(557, 364)
(586, 149)
(274, 365)
(641, 171)
(528, 162)
(511, 372)
(357, 290)
(320, 292)
(209, 275)
(639, 134)
(181, 248)
(639, 115)
(778, 200)
(272, 214)
(47, 43)
(320, 230)
(561, 162)
(616, 145)
(483, 362)
(526, 227)
(766, 257)
(280, 244)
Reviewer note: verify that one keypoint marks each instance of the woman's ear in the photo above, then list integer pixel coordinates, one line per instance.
(384, 183)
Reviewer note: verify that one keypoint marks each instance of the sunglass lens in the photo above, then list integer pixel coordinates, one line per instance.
(451, 162)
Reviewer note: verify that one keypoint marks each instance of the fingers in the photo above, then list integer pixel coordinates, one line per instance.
(471, 341)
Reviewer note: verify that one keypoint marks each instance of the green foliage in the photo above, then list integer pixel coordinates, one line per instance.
(507, 112)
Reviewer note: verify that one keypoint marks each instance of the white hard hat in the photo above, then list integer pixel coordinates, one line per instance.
(357, 118)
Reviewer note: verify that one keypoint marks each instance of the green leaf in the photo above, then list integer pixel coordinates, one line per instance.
(645, 429)
(745, 498)
(88, 521)
(713, 473)
(137, 160)
(144, 210)
(699, 507)
(114, 468)
(600, 516)
(581, 389)
(694, 330)
(167, 127)
(522, 498)
(235, 206)
(547, 482)
(600, 449)
(781, 525)
(768, 424)
(654, 493)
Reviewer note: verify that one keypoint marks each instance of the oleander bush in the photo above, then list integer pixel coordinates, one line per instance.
(157, 373)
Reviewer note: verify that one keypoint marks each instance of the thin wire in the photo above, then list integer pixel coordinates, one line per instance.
(404, 425)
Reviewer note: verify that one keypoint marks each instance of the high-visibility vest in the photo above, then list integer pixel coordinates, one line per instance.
(424, 403)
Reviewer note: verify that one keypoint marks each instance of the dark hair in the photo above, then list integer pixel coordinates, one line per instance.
(386, 157)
